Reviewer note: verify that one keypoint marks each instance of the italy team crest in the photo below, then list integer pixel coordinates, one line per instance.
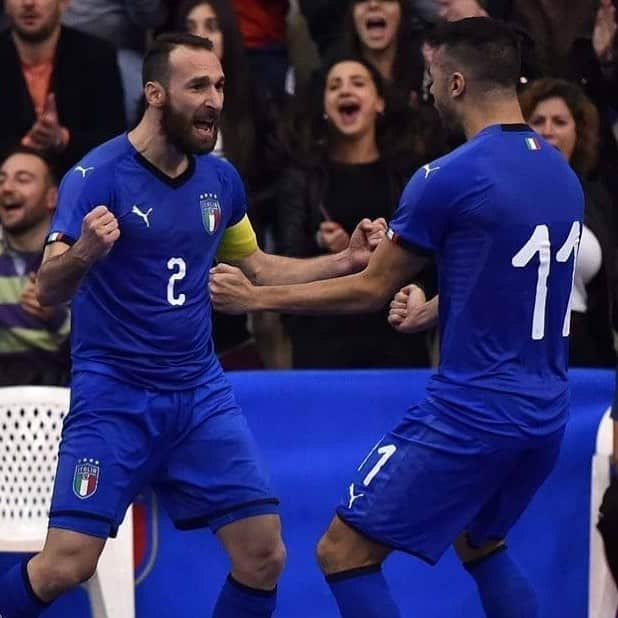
(211, 212)
(86, 478)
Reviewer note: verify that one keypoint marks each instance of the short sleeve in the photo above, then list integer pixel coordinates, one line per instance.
(421, 218)
(82, 189)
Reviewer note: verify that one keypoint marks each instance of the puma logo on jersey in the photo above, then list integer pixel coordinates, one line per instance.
(353, 496)
(142, 215)
(83, 170)
(428, 169)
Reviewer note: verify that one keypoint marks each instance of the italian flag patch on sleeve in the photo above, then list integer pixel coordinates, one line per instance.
(532, 143)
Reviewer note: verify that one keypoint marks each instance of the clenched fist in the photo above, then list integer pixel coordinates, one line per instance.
(411, 312)
(366, 236)
(230, 291)
(99, 233)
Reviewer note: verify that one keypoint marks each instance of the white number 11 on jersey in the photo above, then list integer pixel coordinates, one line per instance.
(539, 243)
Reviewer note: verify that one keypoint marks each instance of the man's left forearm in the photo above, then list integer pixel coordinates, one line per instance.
(350, 294)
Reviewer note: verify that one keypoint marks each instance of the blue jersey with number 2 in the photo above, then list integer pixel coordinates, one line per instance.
(142, 313)
(503, 214)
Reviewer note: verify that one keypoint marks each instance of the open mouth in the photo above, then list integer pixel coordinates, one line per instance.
(205, 128)
(349, 112)
(10, 206)
(376, 25)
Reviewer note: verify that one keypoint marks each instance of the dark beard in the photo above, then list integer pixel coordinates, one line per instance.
(43, 34)
(30, 221)
(178, 131)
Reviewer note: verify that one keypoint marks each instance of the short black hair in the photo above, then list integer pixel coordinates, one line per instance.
(156, 61)
(49, 161)
(488, 49)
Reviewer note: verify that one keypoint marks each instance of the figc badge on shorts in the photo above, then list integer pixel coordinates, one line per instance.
(86, 478)
(211, 212)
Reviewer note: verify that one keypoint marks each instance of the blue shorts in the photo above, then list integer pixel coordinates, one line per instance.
(427, 481)
(194, 447)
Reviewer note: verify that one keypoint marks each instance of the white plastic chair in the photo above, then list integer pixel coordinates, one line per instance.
(30, 427)
(602, 594)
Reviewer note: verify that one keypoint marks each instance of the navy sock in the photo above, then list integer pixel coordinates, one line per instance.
(504, 589)
(363, 593)
(239, 601)
(17, 599)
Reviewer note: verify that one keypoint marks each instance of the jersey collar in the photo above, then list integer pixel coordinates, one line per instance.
(176, 181)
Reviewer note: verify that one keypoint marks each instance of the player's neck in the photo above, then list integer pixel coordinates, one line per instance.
(150, 142)
(482, 115)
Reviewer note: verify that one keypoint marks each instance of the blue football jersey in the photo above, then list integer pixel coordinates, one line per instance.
(503, 214)
(142, 313)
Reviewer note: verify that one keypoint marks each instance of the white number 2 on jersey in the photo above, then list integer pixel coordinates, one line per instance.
(539, 243)
(179, 268)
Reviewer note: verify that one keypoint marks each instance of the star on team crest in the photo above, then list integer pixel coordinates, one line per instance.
(211, 212)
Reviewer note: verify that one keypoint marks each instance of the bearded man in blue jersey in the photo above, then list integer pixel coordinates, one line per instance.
(503, 216)
(139, 222)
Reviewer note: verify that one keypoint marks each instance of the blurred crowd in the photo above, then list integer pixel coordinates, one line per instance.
(327, 114)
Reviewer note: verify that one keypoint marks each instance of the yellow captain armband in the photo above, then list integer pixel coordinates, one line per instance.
(238, 242)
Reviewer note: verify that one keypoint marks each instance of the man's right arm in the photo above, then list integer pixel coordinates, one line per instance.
(65, 266)
(60, 274)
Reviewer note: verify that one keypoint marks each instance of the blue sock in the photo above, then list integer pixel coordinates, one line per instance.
(17, 599)
(363, 593)
(505, 591)
(239, 601)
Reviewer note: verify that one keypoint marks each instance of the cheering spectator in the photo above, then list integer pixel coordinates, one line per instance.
(63, 93)
(32, 338)
(383, 33)
(344, 171)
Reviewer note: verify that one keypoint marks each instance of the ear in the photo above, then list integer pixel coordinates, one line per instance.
(51, 198)
(457, 85)
(155, 94)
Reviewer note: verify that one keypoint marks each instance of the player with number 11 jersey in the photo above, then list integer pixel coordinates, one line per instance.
(503, 214)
